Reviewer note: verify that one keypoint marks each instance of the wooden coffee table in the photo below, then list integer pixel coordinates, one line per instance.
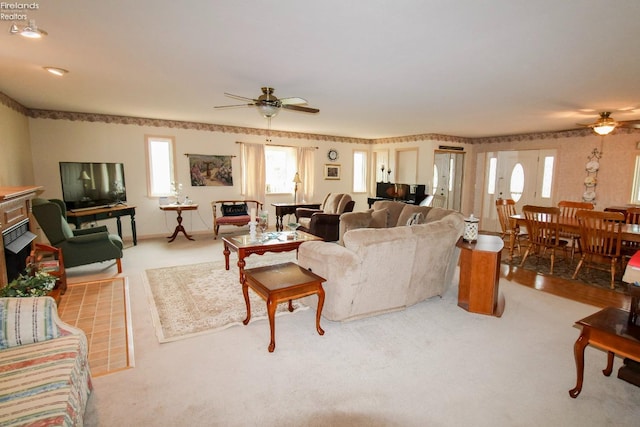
(272, 242)
(610, 330)
(278, 283)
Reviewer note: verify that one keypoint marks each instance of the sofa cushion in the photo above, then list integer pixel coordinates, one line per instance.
(379, 218)
(27, 321)
(394, 208)
(239, 209)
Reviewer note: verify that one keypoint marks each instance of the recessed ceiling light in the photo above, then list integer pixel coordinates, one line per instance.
(31, 30)
(56, 71)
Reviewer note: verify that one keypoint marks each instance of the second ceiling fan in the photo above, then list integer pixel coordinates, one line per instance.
(269, 105)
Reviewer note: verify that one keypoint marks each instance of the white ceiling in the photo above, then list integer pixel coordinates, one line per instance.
(374, 68)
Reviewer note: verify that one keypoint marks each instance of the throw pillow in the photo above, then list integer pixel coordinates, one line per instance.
(379, 218)
(234, 210)
(27, 321)
(415, 218)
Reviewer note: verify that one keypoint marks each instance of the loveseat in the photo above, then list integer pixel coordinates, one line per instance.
(382, 264)
(44, 370)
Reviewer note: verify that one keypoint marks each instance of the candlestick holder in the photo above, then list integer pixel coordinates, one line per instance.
(252, 231)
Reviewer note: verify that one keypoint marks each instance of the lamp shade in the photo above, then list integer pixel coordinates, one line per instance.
(84, 176)
(297, 179)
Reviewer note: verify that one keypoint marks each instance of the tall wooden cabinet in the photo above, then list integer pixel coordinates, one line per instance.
(15, 208)
(478, 290)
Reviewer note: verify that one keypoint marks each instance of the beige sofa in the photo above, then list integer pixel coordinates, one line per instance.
(383, 264)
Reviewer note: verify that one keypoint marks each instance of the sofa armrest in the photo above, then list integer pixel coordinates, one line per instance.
(89, 238)
(92, 230)
(30, 320)
(306, 212)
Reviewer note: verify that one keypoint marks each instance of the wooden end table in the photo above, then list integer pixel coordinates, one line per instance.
(283, 209)
(270, 242)
(278, 283)
(179, 227)
(610, 330)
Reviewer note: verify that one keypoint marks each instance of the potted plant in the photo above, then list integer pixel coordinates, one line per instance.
(32, 283)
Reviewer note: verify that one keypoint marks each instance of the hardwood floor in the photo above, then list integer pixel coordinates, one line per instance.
(565, 288)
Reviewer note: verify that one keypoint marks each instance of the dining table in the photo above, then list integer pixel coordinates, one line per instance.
(630, 232)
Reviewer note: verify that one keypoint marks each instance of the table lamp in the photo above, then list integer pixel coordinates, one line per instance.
(296, 180)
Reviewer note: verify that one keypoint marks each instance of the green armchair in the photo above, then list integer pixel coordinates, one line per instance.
(79, 247)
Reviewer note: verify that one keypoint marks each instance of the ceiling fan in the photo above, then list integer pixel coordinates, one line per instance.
(606, 124)
(269, 105)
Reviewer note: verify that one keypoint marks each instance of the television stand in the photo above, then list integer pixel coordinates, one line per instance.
(78, 217)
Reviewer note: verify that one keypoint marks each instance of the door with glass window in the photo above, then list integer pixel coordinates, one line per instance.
(525, 176)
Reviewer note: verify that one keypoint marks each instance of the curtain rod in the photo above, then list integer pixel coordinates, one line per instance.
(275, 145)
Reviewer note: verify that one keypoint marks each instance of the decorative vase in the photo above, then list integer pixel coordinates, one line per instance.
(470, 229)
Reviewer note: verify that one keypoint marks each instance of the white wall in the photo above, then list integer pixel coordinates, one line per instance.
(53, 141)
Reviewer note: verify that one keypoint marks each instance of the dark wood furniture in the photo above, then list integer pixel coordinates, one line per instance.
(236, 220)
(78, 217)
(15, 207)
(179, 228)
(609, 330)
(50, 260)
(278, 283)
(271, 242)
(283, 209)
(478, 290)
(412, 194)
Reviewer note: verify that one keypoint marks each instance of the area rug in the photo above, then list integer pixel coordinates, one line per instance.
(564, 269)
(191, 300)
(101, 309)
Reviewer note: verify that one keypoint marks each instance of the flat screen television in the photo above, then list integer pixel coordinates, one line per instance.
(92, 185)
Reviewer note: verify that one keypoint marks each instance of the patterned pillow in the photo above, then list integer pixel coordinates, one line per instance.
(415, 218)
(234, 210)
(27, 320)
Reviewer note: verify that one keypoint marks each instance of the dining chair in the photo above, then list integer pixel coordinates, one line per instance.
(600, 233)
(568, 209)
(628, 249)
(543, 230)
(510, 230)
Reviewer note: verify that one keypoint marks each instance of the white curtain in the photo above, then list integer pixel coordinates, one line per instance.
(306, 161)
(252, 165)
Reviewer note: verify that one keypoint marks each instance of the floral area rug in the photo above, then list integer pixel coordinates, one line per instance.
(564, 269)
(191, 300)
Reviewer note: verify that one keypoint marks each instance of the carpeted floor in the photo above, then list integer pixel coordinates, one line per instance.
(100, 309)
(564, 269)
(196, 299)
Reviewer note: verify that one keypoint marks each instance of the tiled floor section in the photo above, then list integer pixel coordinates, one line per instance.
(100, 309)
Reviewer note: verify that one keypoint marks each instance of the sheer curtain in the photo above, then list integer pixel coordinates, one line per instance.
(306, 161)
(253, 171)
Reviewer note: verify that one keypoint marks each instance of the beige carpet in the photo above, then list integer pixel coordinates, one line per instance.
(191, 300)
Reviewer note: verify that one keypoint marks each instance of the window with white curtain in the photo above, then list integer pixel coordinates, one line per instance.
(280, 165)
(160, 165)
(635, 192)
(359, 171)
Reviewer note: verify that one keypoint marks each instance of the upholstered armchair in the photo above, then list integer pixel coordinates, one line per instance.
(325, 222)
(79, 247)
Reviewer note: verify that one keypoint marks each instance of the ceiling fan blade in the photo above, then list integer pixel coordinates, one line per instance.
(235, 105)
(241, 98)
(631, 124)
(293, 101)
(300, 108)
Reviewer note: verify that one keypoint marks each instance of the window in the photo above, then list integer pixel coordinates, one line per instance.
(493, 166)
(547, 177)
(635, 192)
(359, 171)
(160, 165)
(280, 165)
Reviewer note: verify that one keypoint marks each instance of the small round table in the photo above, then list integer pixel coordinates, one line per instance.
(179, 228)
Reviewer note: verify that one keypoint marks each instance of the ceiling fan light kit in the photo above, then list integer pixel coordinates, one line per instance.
(605, 124)
(268, 105)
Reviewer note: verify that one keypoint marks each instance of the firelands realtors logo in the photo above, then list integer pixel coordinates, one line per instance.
(15, 11)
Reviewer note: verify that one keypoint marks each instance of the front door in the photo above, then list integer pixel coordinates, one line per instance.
(526, 176)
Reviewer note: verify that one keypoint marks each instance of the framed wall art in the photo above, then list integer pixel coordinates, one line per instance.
(206, 170)
(331, 171)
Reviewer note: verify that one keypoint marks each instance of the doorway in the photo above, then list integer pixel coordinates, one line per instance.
(448, 169)
(526, 176)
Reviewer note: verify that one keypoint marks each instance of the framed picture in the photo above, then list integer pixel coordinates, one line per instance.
(331, 171)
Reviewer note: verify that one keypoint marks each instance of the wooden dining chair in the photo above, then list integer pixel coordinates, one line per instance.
(543, 230)
(600, 233)
(628, 249)
(569, 209)
(510, 230)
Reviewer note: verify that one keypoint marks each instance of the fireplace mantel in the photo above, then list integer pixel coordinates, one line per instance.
(15, 207)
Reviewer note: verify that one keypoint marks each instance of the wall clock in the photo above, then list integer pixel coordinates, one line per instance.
(332, 155)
